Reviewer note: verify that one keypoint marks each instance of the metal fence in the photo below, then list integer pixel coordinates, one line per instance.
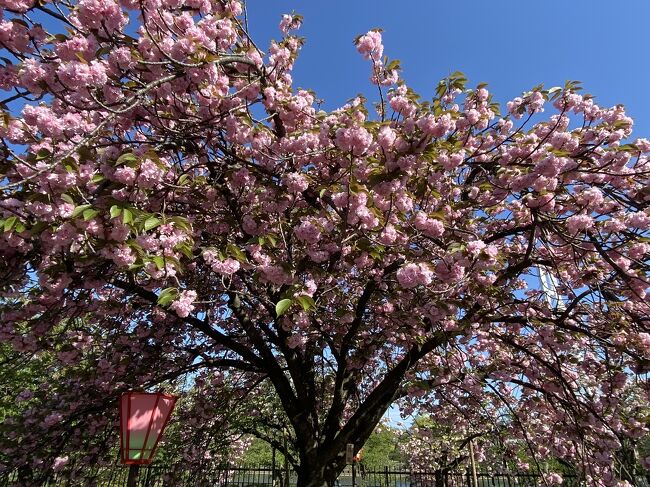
(396, 478)
(230, 476)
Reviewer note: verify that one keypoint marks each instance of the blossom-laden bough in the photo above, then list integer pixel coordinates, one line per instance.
(170, 204)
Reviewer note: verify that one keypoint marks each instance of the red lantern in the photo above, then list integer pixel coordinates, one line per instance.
(143, 417)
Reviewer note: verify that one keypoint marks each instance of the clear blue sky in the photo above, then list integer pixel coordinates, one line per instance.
(511, 44)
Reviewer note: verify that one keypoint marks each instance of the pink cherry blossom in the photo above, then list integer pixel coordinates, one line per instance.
(412, 275)
(59, 463)
(386, 137)
(289, 22)
(308, 232)
(353, 139)
(99, 14)
(577, 223)
(183, 305)
(296, 183)
(226, 267)
(370, 45)
(429, 226)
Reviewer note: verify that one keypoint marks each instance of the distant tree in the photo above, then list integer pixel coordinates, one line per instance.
(430, 446)
(259, 452)
(382, 448)
(206, 432)
(644, 456)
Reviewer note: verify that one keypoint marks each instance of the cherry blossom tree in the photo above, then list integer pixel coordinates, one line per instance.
(206, 432)
(444, 449)
(440, 449)
(59, 408)
(171, 204)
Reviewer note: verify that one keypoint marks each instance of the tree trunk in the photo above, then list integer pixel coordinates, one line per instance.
(315, 476)
(309, 480)
(312, 483)
(440, 478)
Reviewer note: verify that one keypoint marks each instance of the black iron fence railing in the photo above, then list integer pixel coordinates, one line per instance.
(237, 476)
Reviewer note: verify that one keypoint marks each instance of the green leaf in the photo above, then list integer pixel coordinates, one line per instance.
(376, 254)
(38, 228)
(377, 177)
(79, 210)
(181, 223)
(486, 186)
(160, 263)
(151, 222)
(126, 158)
(90, 213)
(9, 223)
(628, 148)
(153, 155)
(236, 252)
(440, 214)
(135, 246)
(355, 188)
(186, 249)
(67, 198)
(86, 154)
(103, 51)
(306, 302)
(456, 247)
(115, 211)
(70, 165)
(282, 306)
(441, 89)
(167, 295)
(43, 154)
(394, 64)
(127, 216)
(139, 217)
(174, 262)
(97, 178)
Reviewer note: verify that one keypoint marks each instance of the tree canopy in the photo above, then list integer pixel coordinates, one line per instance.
(172, 205)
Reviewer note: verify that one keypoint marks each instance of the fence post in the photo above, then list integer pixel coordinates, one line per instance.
(473, 463)
(273, 468)
(286, 461)
(132, 481)
(147, 477)
(386, 474)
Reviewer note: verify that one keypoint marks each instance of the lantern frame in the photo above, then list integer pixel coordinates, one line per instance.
(125, 427)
